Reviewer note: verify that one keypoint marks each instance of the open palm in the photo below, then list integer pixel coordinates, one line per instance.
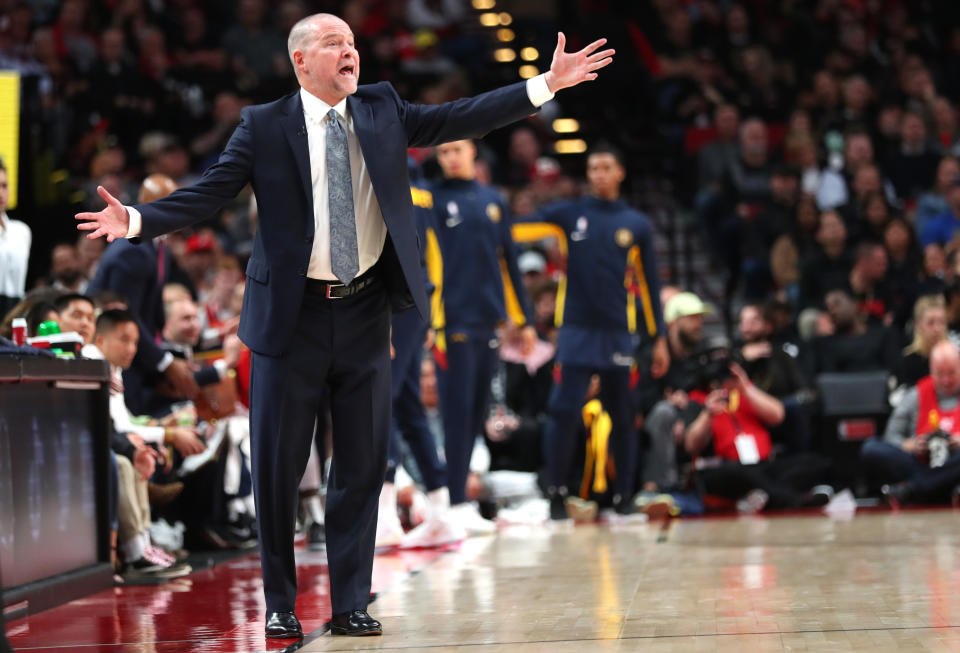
(571, 68)
(112, 222)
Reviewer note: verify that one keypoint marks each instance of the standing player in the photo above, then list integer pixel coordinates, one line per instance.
(611, 268)
(478, 286)
(410, 420)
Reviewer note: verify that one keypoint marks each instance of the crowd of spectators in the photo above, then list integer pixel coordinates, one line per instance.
(814, 143)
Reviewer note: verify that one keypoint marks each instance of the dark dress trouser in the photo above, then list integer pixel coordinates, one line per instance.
(343, 344)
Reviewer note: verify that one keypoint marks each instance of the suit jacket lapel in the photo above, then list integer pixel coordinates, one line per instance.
(295, 129)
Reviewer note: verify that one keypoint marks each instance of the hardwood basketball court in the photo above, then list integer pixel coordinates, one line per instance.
(878, 582)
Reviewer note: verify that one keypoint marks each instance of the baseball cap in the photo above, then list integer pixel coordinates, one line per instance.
(531, 261)
(684, 304)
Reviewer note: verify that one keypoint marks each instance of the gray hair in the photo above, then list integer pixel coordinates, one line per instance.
(300, 33)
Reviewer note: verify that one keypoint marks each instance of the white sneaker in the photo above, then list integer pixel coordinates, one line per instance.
(389, 533)
(389, 530)
(468, 517)
(434, 533)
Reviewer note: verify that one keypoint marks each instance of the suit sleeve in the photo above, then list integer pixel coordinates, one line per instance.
(472, 117)
(220, 183)
(515, 293)
(128, 279)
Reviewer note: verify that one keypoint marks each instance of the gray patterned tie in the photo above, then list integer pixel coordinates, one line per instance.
(344, 256)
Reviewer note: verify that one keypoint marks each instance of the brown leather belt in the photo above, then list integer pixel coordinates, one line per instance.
(337, 290)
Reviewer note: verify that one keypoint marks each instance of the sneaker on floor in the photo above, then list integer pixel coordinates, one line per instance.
(389, 533)
(581, 511)
(432, 533)
(754, 502)
(656, 506)
(468, 517)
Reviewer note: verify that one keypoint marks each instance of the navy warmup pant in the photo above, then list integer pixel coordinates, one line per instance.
(464, 389)
(565, 416)
(410, 420)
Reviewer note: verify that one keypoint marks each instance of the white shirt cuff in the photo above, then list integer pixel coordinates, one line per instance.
(136, 222)
(537, 90)
(165, 362)
(221, 366)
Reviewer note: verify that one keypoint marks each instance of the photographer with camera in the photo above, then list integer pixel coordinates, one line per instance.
(730, 441)
(918, 458)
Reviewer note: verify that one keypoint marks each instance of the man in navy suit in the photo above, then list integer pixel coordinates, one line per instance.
(335, 250)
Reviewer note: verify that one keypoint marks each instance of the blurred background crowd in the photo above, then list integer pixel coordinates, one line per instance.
(798, 160)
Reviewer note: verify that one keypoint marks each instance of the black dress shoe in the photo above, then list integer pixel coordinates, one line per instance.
(317, 537)
(355, 623)
(283, 625)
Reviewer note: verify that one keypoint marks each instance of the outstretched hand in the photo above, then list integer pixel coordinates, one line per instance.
(570, 68)
(112, 222)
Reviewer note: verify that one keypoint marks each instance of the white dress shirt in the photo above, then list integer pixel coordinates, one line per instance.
(371, 229)
(15, 237)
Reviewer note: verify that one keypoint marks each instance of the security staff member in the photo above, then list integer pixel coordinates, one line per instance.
(478, 285)
(610, 294)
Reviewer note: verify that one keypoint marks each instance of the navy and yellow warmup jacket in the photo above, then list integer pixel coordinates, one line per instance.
(471, 259)
(610, 294)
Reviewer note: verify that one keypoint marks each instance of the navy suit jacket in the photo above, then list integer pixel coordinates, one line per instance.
(269, 149)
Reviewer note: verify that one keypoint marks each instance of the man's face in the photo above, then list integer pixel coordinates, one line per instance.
(328, 63)
(690, 329)
(4, 191)
(65, 264)
(876, 264)
(859, 151)
(456, 159)
(945, 371)
(119, 346)
(752, 325)
(841, 308)
(78, 316)
(183, 324)
(605, 174)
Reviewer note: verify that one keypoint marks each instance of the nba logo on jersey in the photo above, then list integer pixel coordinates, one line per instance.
(454, 212)
(581, 231)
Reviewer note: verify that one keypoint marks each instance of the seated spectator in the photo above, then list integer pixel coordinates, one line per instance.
(715, 159)
(776, 372)
(918, 458)
(115, 340)
(830, 266)
(77, 313)
(66, 271)
(40, 313)
(929, 329)
(903, 268)
(834, 190)
(117, 336)
(940, 229)
(933, 203)
(760, 230)
(866, 282)
(730, 440)
(856, 345)
(913, 167)
(665, 400)
(15, 239)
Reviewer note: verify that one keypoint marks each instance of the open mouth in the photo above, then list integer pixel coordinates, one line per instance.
(347, 70)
